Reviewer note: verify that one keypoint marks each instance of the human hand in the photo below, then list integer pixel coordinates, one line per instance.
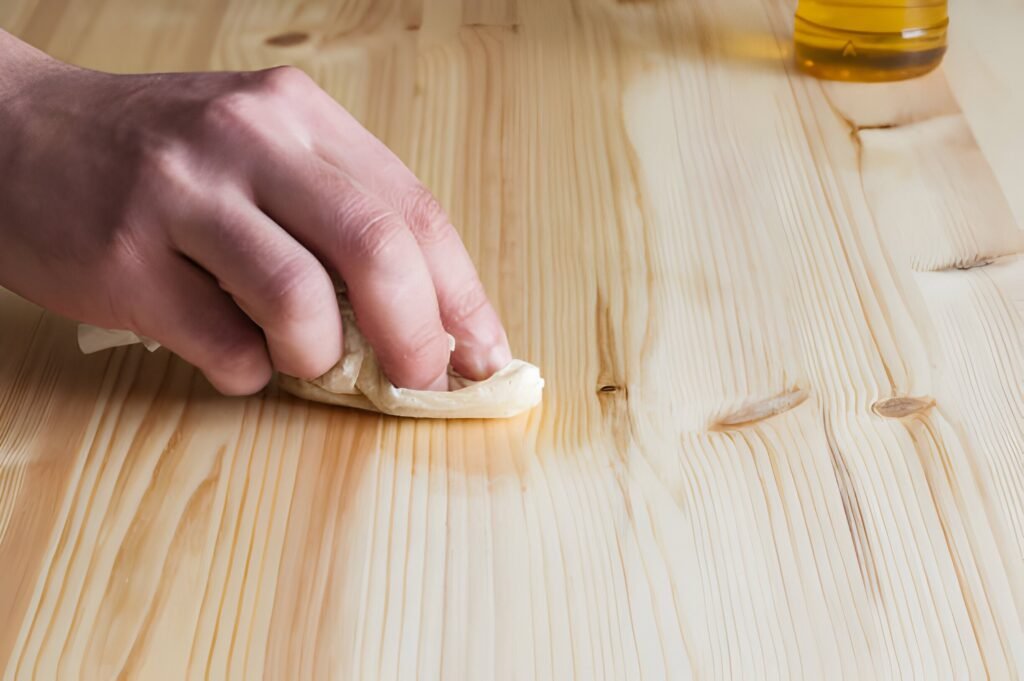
(205, 210)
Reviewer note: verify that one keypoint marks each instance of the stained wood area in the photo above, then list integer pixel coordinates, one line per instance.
(781, 323)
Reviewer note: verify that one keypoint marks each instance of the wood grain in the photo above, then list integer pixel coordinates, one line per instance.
(781, 323)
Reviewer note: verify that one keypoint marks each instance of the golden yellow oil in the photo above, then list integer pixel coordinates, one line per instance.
(870, 40)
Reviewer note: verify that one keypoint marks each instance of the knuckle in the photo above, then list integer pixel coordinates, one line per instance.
(283, 81)
(426, 217)
(297, 290)
(424, 356)
(125, 254)
(169, 186)
(123, 259)
(229, 111)
(468, 303)
(377, 237)
(238, 355)
(167, 163)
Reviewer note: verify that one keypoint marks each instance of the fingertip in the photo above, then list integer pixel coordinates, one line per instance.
(244, 372)
(499, 357)
(481, 342)
(478, 362)
(241, 384)
(418, 365)
(315, 358)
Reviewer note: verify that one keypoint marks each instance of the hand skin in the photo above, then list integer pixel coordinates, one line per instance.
(205, 210)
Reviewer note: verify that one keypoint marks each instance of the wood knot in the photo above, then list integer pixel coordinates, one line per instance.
(288, 39)
(876, 126)
(757, 410)
(609, 389)
(973, 264)
(901, 407)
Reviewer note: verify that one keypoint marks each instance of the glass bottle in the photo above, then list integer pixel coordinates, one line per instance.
(870, 40)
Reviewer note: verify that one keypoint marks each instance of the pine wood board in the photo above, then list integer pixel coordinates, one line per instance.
(984, 69)
(780, 320)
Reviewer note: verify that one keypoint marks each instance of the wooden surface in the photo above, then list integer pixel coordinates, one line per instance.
(781, 323)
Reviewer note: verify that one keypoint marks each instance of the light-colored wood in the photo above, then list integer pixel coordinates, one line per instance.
(782, 324)
(985, 69)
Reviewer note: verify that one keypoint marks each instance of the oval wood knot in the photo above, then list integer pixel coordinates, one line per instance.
(901, 407)
(757, 410)
(288, 39)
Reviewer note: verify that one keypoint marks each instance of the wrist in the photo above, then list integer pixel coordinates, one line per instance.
(19, 64)
(23, 68)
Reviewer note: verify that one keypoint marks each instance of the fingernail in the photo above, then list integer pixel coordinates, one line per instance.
(440, 384)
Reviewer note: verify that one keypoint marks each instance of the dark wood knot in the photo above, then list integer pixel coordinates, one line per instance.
(288, 39)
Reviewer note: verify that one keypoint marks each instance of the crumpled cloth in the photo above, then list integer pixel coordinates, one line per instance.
(357, 380)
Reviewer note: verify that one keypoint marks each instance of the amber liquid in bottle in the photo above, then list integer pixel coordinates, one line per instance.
(870, 40)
